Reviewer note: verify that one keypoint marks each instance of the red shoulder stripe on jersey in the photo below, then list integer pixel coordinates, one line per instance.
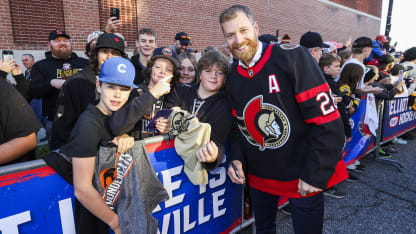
(290, 188)
(311, 93)
(252, 71)
(323, 119)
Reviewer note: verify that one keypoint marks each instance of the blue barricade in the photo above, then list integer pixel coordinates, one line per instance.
(39, 201)
(398, 118)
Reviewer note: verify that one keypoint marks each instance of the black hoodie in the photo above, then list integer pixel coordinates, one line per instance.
(52, 68)
(138, 79)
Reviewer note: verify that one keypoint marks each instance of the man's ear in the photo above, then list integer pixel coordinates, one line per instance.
(137, 43)
(256, 27)
(325, 69)
(49, 45)
(98, 86)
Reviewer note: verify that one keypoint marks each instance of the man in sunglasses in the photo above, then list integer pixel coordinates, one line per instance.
(182, 40)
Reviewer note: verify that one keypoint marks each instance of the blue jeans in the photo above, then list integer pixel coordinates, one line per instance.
(307, 213)
(36, 105)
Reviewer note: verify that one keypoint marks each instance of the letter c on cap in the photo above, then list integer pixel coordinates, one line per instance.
(121, 68)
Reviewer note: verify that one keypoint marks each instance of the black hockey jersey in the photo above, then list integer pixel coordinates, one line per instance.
(288, 126)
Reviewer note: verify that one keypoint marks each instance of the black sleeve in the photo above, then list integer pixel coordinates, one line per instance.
(326, 136)
(345, 119)
(85, 138)
(124, 120)
(22, 85)
(40, 86)
(174, 98)
(221, 123)
(16, 117)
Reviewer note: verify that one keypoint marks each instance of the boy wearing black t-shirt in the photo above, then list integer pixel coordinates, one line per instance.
(114, 85)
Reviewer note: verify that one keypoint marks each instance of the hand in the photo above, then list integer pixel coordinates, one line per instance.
(337, 99)
(112, 25)
(115, 225)
(162, 125)
(400, 84)
(7, 66)
(123, 143)
(57, 83)
(208, 153)
(377, 90)
(305, 189)
(231, 173)
(351, 110)
(16, 70)
(348, 139)
(162, 87)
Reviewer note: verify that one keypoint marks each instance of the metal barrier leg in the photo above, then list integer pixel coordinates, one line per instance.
(377, 158)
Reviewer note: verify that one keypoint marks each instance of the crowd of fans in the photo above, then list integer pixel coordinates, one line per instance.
(62, 89)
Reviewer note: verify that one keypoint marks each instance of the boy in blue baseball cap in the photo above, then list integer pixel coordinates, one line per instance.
(114, 85)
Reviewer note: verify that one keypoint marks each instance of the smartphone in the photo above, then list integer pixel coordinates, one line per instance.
(115, 12)
(162, 113)
(400, 76)
(7, 55)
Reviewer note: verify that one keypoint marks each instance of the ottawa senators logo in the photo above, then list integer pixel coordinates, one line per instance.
(264, 125)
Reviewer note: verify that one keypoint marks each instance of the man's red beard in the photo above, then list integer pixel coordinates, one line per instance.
(62, 54)
(247, 55)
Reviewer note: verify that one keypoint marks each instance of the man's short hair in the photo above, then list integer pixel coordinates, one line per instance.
(147, 31)
(29, 55)
(327, 60)
(231, 12)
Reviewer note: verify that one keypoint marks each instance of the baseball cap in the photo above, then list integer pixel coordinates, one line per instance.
(109, 40)
(311, 40)
(93, 36)
(362, 42)
(183, 38)
(57, 33)
(167, 53)
(410, 54)
(395, 70)
(119, 71)
(385, 59)
(381, 38)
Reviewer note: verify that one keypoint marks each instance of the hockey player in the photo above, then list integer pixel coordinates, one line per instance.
(289, 137)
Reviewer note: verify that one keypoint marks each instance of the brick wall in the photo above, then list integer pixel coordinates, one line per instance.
(372, 7)
(198, 18)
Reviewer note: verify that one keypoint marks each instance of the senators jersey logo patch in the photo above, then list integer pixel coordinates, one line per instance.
(264, 125)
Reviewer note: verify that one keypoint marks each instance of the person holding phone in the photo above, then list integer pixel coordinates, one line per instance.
(9, 65)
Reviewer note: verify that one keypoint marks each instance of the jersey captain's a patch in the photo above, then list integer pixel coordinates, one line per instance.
(264, 125)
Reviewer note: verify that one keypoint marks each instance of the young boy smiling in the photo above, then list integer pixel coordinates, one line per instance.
(114, 86)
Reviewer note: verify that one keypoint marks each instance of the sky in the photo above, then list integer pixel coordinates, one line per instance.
(403, 24)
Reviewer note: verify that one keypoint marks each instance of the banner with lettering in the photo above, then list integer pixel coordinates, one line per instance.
(362, 141)
(398, 118)
(40, 201)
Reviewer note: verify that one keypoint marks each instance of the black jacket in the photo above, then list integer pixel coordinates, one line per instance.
(341, 106)
(50, 68)
(214, 111)
(138, 79)
(76, 93)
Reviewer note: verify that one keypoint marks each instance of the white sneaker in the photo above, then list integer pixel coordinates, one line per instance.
(352, 167)
(356, 163)
(400, 141)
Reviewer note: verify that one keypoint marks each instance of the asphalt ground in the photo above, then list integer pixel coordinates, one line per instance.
(382, 201)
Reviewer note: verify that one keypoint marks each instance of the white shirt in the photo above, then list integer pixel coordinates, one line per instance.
(256, 57)
(360, 84)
